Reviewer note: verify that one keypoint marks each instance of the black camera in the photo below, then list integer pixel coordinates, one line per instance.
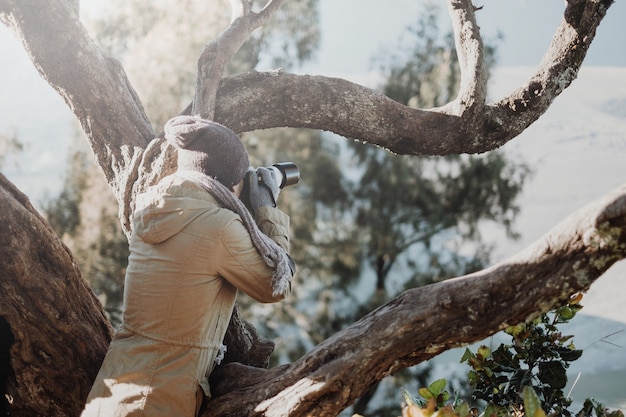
(286, 173)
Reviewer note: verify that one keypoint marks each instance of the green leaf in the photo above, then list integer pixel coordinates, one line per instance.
(553, 373)
(484, 352)
(444, 396)
(566, 313)
(437, 387)
(467, 355)
(490, 411)
(519, 379)
(473, 377)
(570, 355)
(532, 404)
(515, 330)
(425, 393)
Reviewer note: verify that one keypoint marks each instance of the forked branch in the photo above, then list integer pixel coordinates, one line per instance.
(473, 89)
(218, 53)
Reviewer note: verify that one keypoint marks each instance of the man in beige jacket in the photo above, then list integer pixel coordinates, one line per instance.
(193, 245)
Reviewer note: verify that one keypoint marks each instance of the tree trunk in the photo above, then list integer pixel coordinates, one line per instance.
(52, 321)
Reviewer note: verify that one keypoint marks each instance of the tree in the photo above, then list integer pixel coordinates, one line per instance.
(53, 319)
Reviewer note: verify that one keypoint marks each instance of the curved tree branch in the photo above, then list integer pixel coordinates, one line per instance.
(276, 100)
(557, 70)
(426, 321)
(464, 126)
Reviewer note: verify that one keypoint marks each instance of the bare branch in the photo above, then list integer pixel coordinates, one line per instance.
(270, 8)
(259, 101)
(218, 53)
(426, 321)
(473, 89)
(239, 8)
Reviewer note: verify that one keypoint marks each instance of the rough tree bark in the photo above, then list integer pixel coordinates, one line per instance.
(53, 319)
(54, 327)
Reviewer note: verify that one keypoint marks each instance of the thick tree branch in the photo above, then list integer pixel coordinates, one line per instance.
(340, 105)
(464, 126)
(36, 271)
(337, 105)
(426, 321)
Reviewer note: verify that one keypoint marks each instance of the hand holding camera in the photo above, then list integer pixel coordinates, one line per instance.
(262, 186)
(264, 189)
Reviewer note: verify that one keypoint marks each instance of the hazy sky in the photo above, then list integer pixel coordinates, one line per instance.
(354, 30)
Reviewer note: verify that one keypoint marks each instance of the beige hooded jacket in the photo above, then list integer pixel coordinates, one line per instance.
(188, 257)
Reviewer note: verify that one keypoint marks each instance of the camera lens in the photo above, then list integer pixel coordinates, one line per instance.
(289, 172)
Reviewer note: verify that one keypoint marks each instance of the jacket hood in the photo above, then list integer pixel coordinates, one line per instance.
(168, 207)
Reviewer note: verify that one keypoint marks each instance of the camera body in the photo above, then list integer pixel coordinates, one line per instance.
(286, 173)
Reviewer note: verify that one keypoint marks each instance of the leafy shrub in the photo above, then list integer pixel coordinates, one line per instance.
(523, 378)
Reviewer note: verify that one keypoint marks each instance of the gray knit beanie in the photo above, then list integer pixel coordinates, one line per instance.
(208, 147)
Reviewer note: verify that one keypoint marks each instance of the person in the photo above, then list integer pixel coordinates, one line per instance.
(193, 245)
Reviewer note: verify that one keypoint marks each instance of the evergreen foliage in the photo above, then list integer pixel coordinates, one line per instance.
(9, 144)
(63, 212)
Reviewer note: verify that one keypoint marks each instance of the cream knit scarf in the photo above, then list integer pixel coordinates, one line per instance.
(274, 255)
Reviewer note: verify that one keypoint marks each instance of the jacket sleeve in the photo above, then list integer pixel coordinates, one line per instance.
(241, 263)
(275, 224)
